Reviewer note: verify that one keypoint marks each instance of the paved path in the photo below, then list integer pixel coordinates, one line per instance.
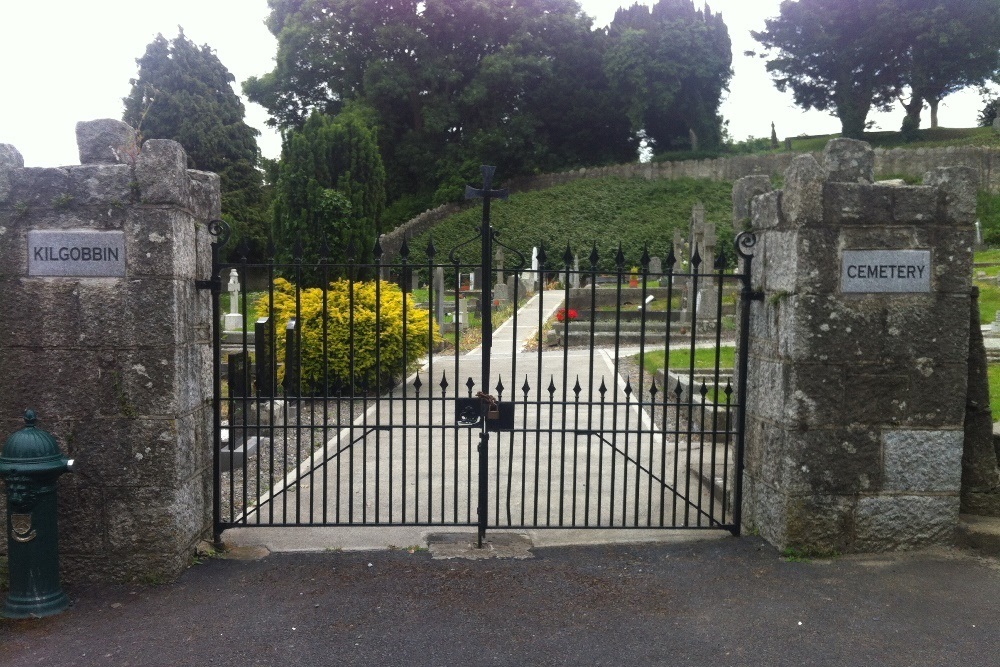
(582, 452)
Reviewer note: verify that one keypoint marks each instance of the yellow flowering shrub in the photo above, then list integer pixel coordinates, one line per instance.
(375, 326)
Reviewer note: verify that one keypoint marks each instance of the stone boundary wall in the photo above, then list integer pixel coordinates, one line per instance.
(856, 398)
(118, 368)
(913, 162)
(392, 241)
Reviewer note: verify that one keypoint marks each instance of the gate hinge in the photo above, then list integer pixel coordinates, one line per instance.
(756, 296)
(208, 284)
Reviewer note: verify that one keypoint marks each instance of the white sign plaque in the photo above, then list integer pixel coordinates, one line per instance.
(887, 271)
(85, 253)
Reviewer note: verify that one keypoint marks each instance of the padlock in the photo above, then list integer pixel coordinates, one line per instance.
(494, 412)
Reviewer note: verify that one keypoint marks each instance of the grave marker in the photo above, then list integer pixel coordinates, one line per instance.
(234, 320)
(263, 341)
(292, 368)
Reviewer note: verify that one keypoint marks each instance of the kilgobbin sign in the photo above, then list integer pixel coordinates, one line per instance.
(886, 271)
(87, 254)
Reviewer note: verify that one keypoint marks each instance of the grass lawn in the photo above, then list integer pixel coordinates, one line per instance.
(993, 372)
(928, 138)
(703, 358)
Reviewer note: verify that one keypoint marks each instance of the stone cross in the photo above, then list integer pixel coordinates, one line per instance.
(234, 321)
(709, 239)
(697, 221)
(574, 278)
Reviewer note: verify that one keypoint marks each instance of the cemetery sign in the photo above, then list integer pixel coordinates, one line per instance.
(886, 271)
(83, 253)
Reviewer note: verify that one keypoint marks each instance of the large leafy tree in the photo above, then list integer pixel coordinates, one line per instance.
(842, 56)
(184, 92)
(330, 190)
(950, 46)
(669, 65)
(454, 82)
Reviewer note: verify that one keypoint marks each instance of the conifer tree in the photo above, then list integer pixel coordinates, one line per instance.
(184, 92)
(330, 190)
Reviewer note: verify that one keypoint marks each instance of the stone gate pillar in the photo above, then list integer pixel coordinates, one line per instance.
(858, 355)
(104, 334)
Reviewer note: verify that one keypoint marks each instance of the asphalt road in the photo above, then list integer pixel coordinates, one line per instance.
(718, 602)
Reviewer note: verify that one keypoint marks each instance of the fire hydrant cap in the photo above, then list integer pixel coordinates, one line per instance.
(32, 446)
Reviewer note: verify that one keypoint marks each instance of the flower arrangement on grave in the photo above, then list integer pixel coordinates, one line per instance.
(566, 314)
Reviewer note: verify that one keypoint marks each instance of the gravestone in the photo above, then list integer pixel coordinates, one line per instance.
(234, 320)
(655, 268)
(238, 376)
(462, 314)
(264, 359)
(501, 296)
(679, 253)
(515, 287)
(696, 229)
(293, 376)
(708, 289)
(535, 275)
(499, 263)
(438, 295)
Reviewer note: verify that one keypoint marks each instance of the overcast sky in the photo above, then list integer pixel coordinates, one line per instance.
(70, 60)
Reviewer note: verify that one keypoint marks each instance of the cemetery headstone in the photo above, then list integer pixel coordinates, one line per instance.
(238, 378)
(292, 359)
(499, 257)
(536, 279)
(438, 295)
(679, 254)
(655, 268)
(264, 363)
(234, 320)
(514, 287)
(500, 294)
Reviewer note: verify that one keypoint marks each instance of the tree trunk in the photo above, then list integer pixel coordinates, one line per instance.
(934, 108)
(852, 123)
(913, 109)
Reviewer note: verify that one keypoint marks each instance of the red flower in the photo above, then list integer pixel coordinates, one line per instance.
(563, 314)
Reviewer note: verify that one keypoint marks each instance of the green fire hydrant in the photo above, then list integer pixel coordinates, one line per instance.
(30, 464)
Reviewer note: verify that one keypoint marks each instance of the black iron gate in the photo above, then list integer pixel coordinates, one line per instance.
(510, 393)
